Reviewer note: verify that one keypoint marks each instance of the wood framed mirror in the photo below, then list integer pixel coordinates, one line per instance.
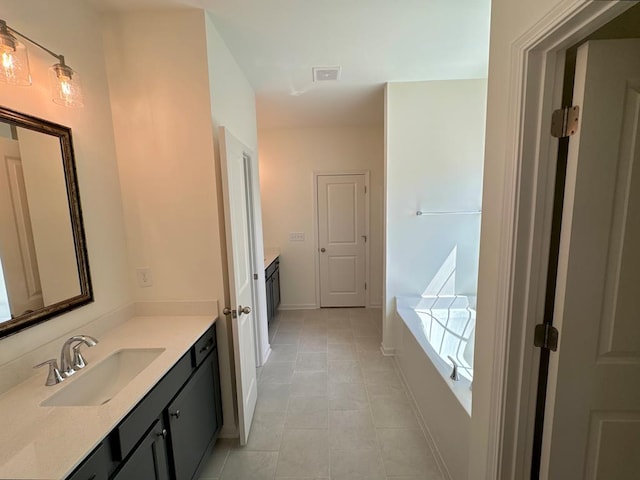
(44, 268)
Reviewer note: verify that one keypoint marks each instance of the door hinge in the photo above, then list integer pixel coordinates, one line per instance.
(365, 285)
(565, 121)
(365, 189)
(255, 276)
(546, 336)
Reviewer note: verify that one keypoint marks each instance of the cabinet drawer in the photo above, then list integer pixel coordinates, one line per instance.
(127, 434)
(204, 345)
(96, 466)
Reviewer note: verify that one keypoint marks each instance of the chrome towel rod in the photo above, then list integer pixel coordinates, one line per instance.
(420, 213)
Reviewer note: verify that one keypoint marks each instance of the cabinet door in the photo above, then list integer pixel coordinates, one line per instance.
(149, 460)
(217, 391)
(276, 290)
(269, 289)
(193, 420)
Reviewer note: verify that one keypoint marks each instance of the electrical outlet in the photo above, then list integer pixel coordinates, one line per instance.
(144, 277)
(296, 236)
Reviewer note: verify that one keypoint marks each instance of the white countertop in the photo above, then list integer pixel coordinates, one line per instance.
(269, 257)
(49, 442)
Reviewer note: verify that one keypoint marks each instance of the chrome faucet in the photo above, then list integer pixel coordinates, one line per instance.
(454, 373)
(72, 361)
(69, 361)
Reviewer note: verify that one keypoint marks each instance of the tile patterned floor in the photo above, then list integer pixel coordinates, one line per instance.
(330, 406)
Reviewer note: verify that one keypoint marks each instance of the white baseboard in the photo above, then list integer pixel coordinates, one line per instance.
(387, 352)
(266, 356)
(301, 306)
(423, 425)
(229, 431)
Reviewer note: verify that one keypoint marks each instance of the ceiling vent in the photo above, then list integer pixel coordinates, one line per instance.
(326, 74)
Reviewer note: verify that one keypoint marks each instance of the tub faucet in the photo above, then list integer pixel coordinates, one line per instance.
(454, 373)
(70, 362)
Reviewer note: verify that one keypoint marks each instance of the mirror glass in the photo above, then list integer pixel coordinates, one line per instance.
(43, 261)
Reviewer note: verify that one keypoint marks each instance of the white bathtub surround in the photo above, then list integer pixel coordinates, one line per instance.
(443, 405)
(444, 326)
(49, 442)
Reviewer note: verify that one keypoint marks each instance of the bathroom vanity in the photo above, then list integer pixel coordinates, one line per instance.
(272, 279)
(162, 424)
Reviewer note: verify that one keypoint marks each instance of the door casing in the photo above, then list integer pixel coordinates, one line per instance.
(316, 233)
(536, 77)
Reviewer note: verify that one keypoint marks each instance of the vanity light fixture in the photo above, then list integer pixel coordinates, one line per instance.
(65, 82)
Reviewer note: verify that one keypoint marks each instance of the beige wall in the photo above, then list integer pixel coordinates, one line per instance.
(49, 211)
(510, 19)
(161, 120)
(168, 100)
(288, 159)
(434, 147)
(72, 28)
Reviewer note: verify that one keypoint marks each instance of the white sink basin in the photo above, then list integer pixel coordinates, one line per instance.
(102, 382)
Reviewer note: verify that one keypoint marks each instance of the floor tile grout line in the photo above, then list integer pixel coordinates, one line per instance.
(384, 466)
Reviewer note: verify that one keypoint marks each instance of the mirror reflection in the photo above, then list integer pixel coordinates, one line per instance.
(43, 270)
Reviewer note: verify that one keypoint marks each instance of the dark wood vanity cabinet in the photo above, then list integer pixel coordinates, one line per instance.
(193, 420)
(149, 459)
(169, 434)
(272, 276)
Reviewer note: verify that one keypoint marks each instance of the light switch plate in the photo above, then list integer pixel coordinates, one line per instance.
(296, 236)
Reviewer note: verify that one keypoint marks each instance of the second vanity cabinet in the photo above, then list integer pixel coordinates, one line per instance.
(272, 277)
(172, 430)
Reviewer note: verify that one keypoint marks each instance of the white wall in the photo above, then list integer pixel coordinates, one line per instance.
(434, 147)
(168, 99)
(233, 106)
(288, 159)
(72, 28)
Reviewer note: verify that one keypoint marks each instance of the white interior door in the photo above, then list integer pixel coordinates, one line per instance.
(239, 258)
(19, 263)
(592, 419)
(342, 240)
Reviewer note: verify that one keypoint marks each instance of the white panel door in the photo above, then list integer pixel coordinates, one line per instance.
(19, 262)
(342, 240)
(592, 419)
(236, 211)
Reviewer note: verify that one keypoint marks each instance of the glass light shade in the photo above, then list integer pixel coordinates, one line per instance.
(14, 62)
(66, 89)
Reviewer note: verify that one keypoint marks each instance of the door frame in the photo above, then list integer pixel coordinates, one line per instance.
(316, 232)
(536, 75)
(258, 290)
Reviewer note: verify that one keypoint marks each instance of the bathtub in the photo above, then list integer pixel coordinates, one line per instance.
(444, 326)
(427, 331)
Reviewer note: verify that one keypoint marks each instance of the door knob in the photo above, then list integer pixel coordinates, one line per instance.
(323, 249)
(245, 310)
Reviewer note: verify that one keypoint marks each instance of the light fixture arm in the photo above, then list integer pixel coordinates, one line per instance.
(4, 26)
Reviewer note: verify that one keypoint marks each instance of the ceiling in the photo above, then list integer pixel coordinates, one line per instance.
(277, 42)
